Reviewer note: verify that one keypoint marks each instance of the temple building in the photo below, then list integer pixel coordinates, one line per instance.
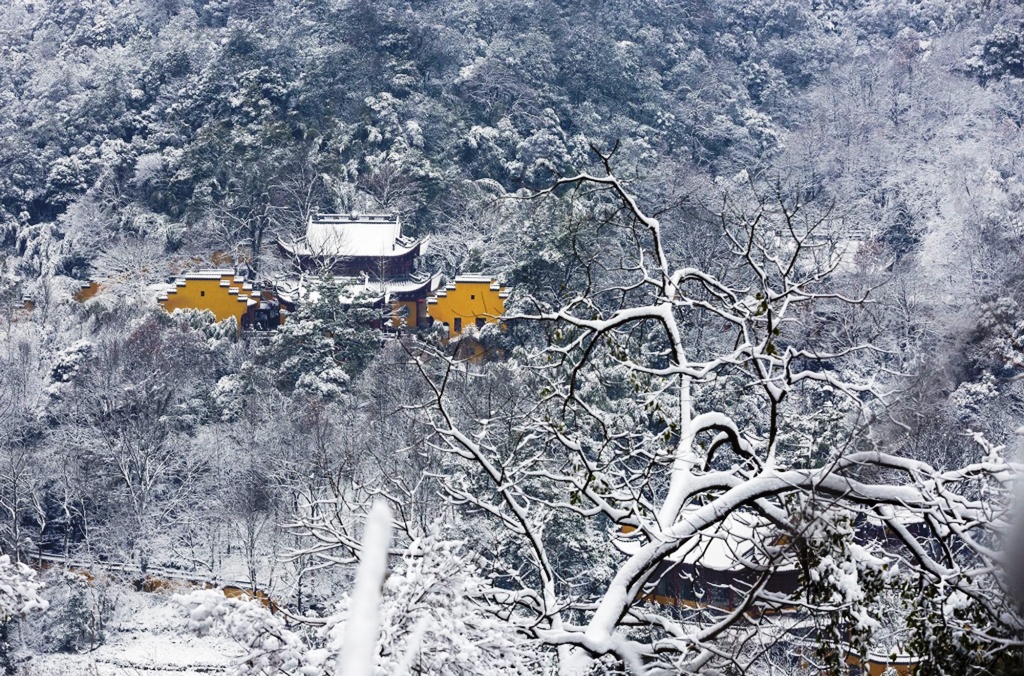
(368, 254)
(356, 245)
(371, 257)
(373, 264)
(403, 302)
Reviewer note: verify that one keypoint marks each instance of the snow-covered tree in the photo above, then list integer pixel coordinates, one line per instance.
(667, 438)
(328, 340)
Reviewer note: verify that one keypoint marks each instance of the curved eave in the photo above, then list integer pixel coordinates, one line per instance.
(292, 248)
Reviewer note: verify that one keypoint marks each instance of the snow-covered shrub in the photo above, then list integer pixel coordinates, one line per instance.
(1001, 53)
(19, 596)
(967, 403)
(845, 577)
(228, 395)
(79, 609)
(996, 344)
(19, 590)
(271, 647)
(434, 614)
(435, 611)
(68, 363)
(324, 343)
(205, 322)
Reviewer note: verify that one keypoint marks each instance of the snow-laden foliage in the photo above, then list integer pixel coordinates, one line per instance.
(19, 590)
(68, 363)
(437, 616)
(271, 647)
(326, 342)
(78, 615)
(848, 579)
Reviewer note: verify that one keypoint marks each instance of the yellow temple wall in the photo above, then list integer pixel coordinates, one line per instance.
(208, 294)
(467, 301)
(87, 291)
(410, 321)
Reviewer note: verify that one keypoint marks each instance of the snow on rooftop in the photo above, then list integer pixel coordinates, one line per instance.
(210, 273)
(474, 278)
(363, 289)
(723, 546)
(355, 235)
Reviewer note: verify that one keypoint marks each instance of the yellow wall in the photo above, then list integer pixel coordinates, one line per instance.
(410, 321)
(87, 292)
(208, 294)
(468, 301)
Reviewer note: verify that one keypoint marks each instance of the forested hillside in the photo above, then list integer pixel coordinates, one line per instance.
(765, 261)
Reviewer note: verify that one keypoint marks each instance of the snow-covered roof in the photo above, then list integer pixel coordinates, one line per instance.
(723, 546)
(353, 235)
(210, 273)
(737, 538)
(363, 289)
(406, 286)
(741, 537)
(473, 278)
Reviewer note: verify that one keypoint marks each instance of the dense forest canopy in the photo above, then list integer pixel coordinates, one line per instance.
(150, 118)
(741, 237)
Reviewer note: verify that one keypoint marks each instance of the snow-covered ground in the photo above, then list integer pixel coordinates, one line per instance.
(147, 636)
